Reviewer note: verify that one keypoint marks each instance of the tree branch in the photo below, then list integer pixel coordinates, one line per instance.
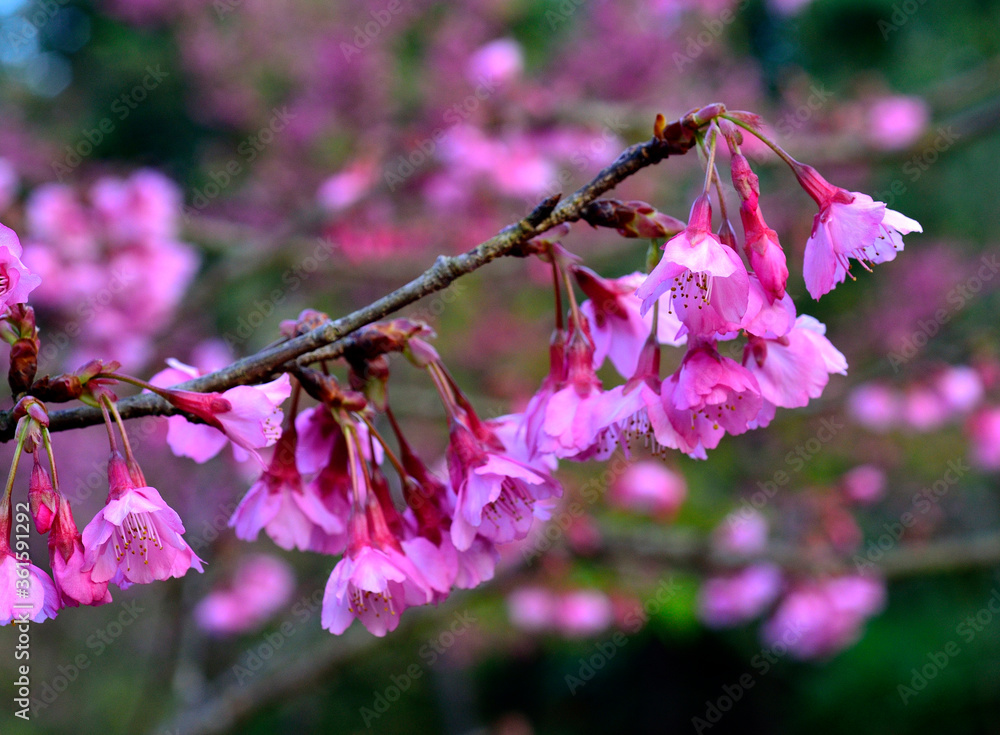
(676, 139)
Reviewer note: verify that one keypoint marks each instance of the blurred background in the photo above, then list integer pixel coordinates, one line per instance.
(260, 157)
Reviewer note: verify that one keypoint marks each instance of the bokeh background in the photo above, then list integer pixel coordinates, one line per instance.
(276, 155)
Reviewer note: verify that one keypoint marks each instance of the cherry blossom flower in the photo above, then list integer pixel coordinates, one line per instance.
(617, 327)
(707, 281)
(716, 387)
(294, 515)
(67, 557)
(16, 281)
(792, 370)
(248, 415)
(495, 494)
(41, 601)
(848, 225)
(136, 525)
(374, 581)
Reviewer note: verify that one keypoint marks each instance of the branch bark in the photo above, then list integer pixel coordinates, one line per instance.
(679, 138)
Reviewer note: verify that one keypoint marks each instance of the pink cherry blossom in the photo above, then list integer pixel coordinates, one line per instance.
(618, 328)
(66, 555)
(716, 387)
(248, 416)
(16, 281)
(42, 600)
(796, 368)
(649, 487)
(294, 515)
(848, 225)
(727, 601)
(136, 537)
(373, 582)
(496, 496)
(706, 280)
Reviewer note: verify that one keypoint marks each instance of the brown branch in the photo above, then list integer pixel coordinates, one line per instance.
(679, 138)
(694, 552)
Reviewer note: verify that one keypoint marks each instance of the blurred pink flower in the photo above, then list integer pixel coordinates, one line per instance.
(583, 613)
(498, 62)
(983, 429)
(742, 533)
(875, 406)
(649, 487)
(734, 599)
(960, 387)
(864, 484)
(261, 585)
(532, 608)
(896, 121)
(818, 619)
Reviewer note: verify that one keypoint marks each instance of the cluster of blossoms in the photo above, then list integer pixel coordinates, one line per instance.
(113, 269)
(407, 536)
(811, 618)
(953, 394)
